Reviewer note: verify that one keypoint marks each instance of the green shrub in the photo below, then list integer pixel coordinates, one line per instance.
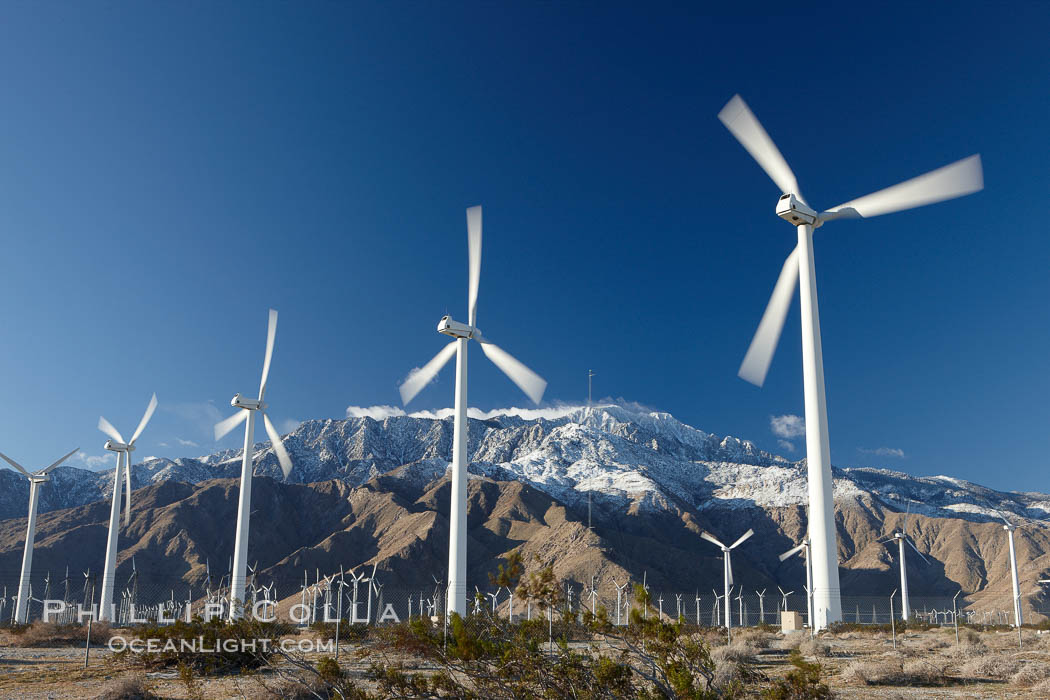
(215, 646)
(801, 683)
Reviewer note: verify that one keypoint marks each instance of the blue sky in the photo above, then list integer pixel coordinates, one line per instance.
(168, 171)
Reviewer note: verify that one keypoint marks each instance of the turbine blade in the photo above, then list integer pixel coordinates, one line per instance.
(528, 381)
(226, 425)
(791, 552)
(711, 538)
(743, 537)
(739, 119)
(127, 489)
(474, 260)
(419, 379)
(15, 464)
(278, 446)
(271, 333)
(107, 427)
(908, 540)
(760, 353)
(48, 468)
(145, 419)
(729, 569)
(960, 178)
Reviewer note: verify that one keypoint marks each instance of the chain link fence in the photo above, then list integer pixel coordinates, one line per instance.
(357, 599)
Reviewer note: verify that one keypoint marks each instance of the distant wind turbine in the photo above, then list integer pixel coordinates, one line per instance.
(727, 567)
(123, 449)
(36, 480)
(901, 537)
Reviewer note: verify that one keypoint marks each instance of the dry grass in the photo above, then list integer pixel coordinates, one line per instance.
(814, 647)
(990, 666)
(50, 634)
(1031, 673)
(923, 672)
(737, 652)
(757, 638)
(129, 688)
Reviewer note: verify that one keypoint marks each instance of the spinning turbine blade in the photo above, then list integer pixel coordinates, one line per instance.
(271, 332)
(107, 427)
(54, 464)
(145, 419)
(739, 119)
(742, 539)
(786, 555)
(127, 489)
(729, 569)
(16, 465)
(528, 381)
(417, 380)
(278, 446)
(908, 540)
(228, 424)
(474, 268)
(760, 353)
(960, 178)
(710, 538)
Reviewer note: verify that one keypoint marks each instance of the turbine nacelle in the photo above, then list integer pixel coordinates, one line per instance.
(247, 404)
(114, 446)
(448, 326)
(793, 210)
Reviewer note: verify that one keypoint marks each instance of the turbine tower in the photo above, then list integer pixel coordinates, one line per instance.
(123, 449)
(727, 567)
(36, 480)
(804, 548)
(901, 537)
(527, 380)
(248, 409)
(960, 178)
(1010, 527)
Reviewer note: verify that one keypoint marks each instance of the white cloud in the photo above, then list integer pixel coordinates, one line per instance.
(546, 412)
(93, 462)
(184, 443)
(787, 426)
(786, 445)
(882, 452)
(288, 425)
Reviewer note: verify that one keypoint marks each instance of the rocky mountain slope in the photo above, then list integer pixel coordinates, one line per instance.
(367, 491)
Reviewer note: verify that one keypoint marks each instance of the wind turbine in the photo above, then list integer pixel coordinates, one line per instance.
(1010, 527)
(527, 380)
(955, 180)
(727, 567)
(804, 548)
(36, 480)
(123, 449)
(901, 537)
(248, 409)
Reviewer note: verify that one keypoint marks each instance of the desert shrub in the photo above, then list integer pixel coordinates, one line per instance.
(206, 647)
(968, 636)
(800, 683)
(357, 632)
(754, 636)
(1031, 673)
(328, 669)
(52, 634)
(924, 672)
(814, 646)
(131, 688)
(989, 666)
(889, 672)
(737, 652)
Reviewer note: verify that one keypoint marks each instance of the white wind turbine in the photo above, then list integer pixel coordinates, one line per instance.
(1010, 527)
(727, 567)
(527, 380)
(955, 180)
(248, 409)
(804, 548)
(901, 537)
(36, 480)
(123, 449)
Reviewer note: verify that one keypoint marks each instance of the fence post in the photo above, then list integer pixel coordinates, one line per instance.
(87, 644)
(955, 616)
(893, 622)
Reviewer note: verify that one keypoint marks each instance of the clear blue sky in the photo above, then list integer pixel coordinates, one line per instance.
(168, 171)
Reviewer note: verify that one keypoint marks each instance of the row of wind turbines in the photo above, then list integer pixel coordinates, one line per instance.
(955, 180)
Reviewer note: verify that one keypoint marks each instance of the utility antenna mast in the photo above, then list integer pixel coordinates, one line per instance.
(590, 373)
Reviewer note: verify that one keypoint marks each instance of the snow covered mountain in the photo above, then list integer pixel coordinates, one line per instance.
(625, 457)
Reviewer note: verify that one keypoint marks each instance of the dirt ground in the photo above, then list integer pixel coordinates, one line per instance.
(860, 664)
